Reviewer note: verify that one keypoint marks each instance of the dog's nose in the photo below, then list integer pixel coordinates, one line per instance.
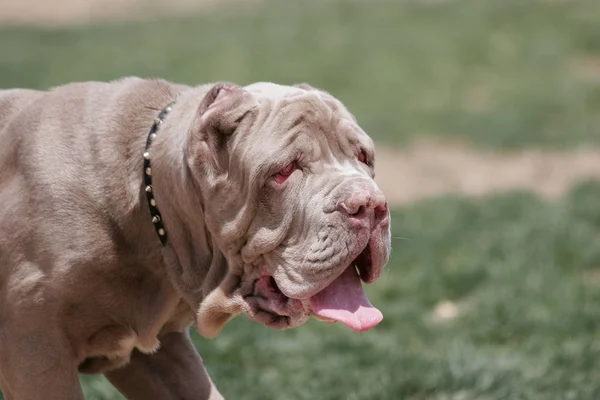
(364, 204)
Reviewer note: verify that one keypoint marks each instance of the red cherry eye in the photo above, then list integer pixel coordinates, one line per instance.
(282, 175)
(362, 157)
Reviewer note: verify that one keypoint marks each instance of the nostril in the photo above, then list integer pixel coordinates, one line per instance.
(359, 212)
(381, 212)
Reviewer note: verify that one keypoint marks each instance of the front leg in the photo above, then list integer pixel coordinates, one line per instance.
(37, 364)
(174, 372)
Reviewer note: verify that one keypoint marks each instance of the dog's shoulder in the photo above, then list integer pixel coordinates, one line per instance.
(12, 101)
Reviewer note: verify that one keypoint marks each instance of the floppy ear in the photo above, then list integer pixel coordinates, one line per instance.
(218, 116)
(304, 86)
(223, 107)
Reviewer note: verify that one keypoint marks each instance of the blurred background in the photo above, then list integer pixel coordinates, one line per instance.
(486, 115)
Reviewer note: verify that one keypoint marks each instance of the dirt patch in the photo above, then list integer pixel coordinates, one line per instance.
(591, 277)
(430, 169)
(587, 68)
(80, 12)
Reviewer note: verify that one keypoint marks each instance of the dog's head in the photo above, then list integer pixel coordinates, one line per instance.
(290, 200)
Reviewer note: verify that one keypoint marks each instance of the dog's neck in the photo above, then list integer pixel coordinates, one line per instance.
(194, 263)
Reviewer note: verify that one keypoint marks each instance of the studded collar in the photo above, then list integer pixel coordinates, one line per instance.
(154, 212)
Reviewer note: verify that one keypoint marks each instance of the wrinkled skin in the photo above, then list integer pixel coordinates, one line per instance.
(301, 232)
(266, 193)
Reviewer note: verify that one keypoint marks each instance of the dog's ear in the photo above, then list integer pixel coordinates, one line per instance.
(219, 114)
(304, 86)
(223, 107)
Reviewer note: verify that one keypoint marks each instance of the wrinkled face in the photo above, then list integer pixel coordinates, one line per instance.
(311, 223)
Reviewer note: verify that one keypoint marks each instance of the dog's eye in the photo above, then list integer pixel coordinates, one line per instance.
(362, 157)
(282, 175)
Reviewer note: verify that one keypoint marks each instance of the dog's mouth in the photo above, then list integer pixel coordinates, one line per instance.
(343, 300)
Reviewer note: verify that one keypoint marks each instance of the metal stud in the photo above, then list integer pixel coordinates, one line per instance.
(156, 219)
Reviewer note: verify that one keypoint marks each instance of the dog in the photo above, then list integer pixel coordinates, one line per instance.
(136, 208)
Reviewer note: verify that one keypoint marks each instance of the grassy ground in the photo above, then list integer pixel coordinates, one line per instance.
(523, 274)
(499, 73)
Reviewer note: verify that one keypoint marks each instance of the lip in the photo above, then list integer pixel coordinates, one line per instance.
(298, 288)
(267, 305)
(280, 303)
(270, 306)
(364, 265)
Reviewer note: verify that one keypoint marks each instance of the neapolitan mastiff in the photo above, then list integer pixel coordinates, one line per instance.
(134, 208)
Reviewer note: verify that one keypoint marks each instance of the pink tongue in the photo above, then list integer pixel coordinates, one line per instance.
(344, 300)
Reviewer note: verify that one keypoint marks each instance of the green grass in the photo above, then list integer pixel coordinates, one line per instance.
(496, 73)
(519, 270)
